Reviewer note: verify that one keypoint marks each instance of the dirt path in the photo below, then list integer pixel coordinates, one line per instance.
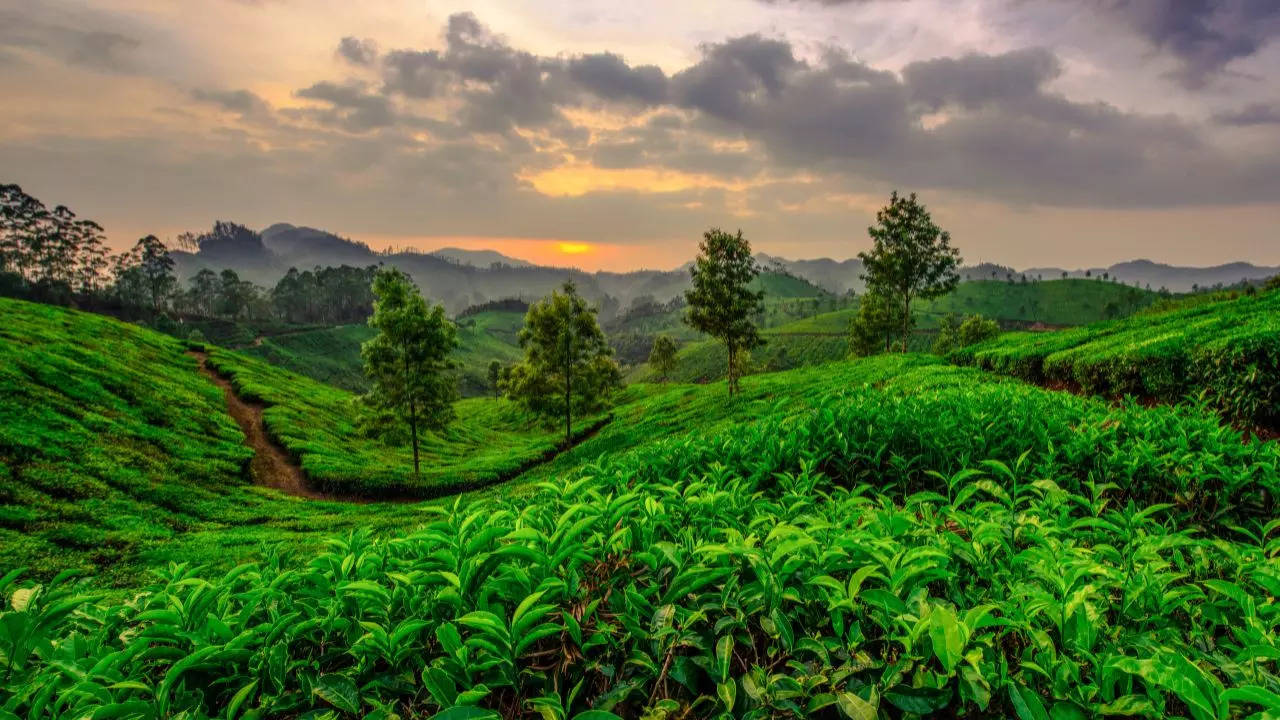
(271, 465)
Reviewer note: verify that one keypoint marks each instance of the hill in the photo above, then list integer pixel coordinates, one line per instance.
(479, 258)
(823, 337)
(332, 355)
(1226, 352)
(832, 522)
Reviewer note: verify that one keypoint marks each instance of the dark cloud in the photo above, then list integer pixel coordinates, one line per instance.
(239, 101)
(608, 76)
(351, 106)
(974, 80)
(1250, 115)
(1204, 35)
(99, 49)
(357, 51)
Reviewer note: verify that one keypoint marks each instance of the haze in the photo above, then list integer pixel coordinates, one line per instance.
(609, 135)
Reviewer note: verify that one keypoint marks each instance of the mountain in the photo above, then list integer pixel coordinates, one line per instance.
(479, 258)
(1176, 278)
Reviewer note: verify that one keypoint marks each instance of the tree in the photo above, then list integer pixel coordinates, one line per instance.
(495, 374)
(911, 257)
(568, 366)
(663, 356)
(721, 303)
(873, 328)
(157, 271)
(407, 362)
(954, 334)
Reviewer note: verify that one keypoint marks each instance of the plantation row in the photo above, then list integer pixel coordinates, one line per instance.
(316, 423)
(942, 544)
(1225, 352)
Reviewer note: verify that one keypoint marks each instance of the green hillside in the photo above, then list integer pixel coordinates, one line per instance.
(1226, 352)
(894, 537)
(332, 355)
(823, 337)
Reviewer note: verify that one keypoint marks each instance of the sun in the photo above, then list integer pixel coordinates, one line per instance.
(572, 248)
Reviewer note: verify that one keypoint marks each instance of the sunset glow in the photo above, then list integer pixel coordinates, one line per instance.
(569, 248)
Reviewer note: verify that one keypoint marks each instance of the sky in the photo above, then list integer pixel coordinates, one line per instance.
(612, 134)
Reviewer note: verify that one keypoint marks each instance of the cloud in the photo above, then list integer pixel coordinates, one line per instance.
(608, 76)
(238, 101)
(1250, 115)
(357, 51)
(99, 49)
(1203, 35)
(975, 80)
(351, 106)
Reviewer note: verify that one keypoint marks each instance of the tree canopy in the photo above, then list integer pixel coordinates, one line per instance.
(568, 366)
(911, 257)
(663, 356)
(407, 363)
(721, 302)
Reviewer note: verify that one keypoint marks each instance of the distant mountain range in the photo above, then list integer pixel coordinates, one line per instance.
(479, 258)
(460, 278)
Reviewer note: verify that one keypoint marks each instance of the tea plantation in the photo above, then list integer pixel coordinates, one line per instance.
(1225, 352)
(890, 538)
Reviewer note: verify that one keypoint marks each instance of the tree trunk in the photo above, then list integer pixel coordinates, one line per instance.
(413, 420)
(568, 390)
(906, 320)
(733, 383)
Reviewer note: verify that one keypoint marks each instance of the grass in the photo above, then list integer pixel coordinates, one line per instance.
(823, 337)
(491, 439)
(1226, 351)
(332, 355)
(329, 355)
(892, 537)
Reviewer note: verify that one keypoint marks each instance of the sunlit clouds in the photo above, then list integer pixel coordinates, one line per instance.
(610, 136)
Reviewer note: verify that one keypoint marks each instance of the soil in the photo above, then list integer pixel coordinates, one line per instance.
(271, 465)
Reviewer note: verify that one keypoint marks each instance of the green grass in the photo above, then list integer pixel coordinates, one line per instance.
(1227, 352)
(822, 337)
(1052, 302)
(491, 438)
(329, 355)
(894, 537)
(332, 355)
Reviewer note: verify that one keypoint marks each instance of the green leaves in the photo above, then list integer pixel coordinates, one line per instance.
(339, 691)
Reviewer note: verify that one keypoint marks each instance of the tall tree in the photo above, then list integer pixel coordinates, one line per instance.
(721, 302)
(157, 271)
(663, 356)
(568, 366)
(911, 258)
(407, 362)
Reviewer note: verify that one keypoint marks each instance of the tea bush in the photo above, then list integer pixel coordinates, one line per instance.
(780, 570)
(1226, 351)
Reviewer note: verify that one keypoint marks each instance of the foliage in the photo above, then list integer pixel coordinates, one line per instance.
(911, 257)
(879, 318)
(663, 356)
(568, 366)
(51, 254)
(720, 301)
(1225, 351)
(953, 333)
(333, 295)
(407, 363)
(838, 562)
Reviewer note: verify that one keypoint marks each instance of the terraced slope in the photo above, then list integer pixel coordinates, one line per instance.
(1225, 352)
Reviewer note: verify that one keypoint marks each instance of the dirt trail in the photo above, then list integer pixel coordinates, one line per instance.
(271, 465)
